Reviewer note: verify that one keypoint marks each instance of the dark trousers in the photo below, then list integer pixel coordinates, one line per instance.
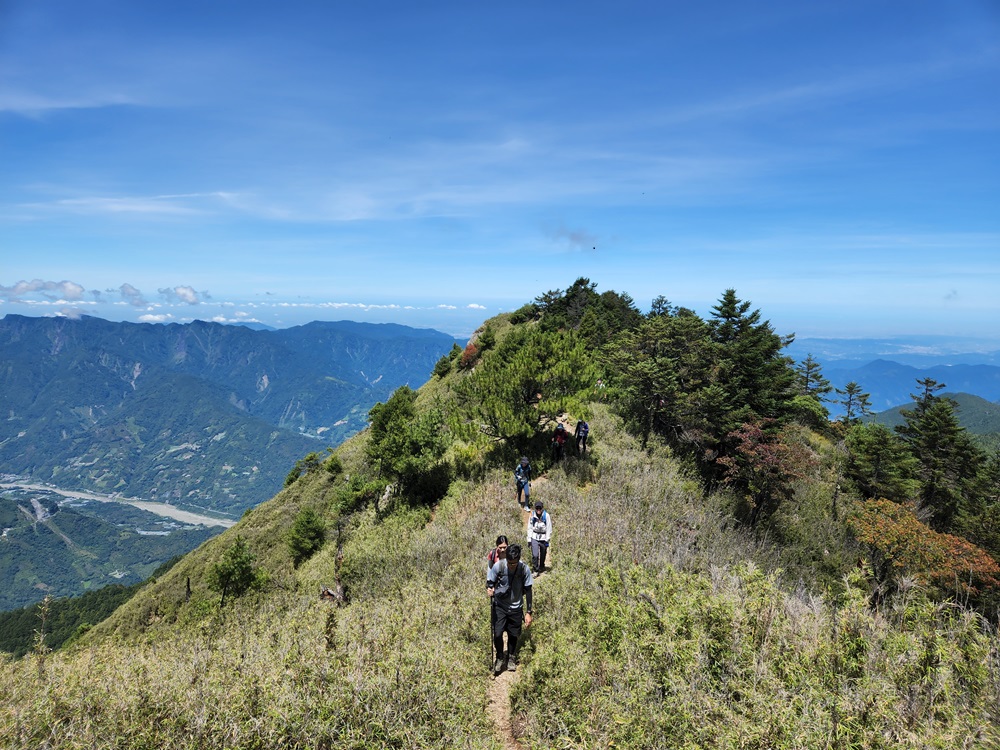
(508, 620)
(538, 550)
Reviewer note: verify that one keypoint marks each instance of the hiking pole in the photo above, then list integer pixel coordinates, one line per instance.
(493, 624)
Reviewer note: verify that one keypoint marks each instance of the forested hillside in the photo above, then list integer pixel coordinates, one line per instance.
(65, 549)
(729, 568)
(201, 415)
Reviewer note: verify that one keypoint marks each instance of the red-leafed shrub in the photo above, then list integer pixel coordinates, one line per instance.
(899, 545)
(469, 357)
(763, 468)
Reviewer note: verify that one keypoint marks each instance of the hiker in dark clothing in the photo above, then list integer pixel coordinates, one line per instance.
(522, 478)
(509, 582)
(559, 442)
(581, 432)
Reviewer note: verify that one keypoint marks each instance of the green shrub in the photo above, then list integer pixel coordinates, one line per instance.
(307, 535)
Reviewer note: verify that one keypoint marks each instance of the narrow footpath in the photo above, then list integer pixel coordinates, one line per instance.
(498, 695)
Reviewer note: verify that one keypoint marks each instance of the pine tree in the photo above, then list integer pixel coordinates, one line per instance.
(880, 464)
(662, 369)
(950, 463)
(235, 574)
(529, 379)
(856, 403)
(758, 379)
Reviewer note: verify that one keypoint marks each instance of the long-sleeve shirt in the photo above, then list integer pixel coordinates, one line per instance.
(540, 527)
(511, 589)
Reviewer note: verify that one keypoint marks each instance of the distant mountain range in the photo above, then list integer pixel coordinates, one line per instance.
(975, 414)
(918, 351)
(201, 415)
(888, 369)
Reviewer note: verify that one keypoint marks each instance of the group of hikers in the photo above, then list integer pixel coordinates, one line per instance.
(509, 580)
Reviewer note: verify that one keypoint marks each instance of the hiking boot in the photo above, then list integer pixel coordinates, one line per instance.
(512, 664)
(498, 666)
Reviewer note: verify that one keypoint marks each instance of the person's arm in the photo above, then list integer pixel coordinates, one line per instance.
(527, 606)
(490, 580)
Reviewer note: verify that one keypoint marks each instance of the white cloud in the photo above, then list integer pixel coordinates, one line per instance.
(474, 306)
(132, 295)
(150, 318)
(185, 294)
(50, 290)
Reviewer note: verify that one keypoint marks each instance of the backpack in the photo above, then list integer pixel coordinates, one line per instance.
(582, 429)
(542, 519)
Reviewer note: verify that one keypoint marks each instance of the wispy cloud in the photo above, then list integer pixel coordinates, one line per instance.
(185, 294)
(181, 204)
(132, 295)
(32, 104)
(833, 89)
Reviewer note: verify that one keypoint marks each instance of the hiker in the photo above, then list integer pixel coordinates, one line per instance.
(497, 553)
(581, 432)
(558, 442)
(522, 477)
(539, 535)
(508, 583)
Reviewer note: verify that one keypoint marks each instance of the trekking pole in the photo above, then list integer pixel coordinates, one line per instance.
(493, 624)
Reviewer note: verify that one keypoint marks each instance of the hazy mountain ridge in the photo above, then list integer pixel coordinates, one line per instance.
(974, 413)
(203, 414)
(892, 384)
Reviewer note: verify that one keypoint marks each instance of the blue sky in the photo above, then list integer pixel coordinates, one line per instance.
(434, 164)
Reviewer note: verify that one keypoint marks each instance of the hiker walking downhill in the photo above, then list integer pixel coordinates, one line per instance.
(522, 478)
(539, 535)
(581, 432)
(559, 442)
(497, 553)
(509, 582)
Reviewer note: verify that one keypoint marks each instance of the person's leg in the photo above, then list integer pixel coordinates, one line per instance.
(534, 555)
(543, 549)
(499, 625)
(527, 494)
(513, 638)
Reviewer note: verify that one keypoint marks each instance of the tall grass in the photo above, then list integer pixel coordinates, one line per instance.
(658, 625)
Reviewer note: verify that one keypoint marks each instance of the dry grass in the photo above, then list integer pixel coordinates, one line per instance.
(658, 626)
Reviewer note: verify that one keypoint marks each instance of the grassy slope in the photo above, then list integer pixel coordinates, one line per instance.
(657, 627)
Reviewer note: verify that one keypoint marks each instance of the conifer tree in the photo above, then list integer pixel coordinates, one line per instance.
(530, 378)
(856, 403)
(235, 574)
(950, 463)
(407, 446)
(661, 370)
(880, 464)
(758, 379)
